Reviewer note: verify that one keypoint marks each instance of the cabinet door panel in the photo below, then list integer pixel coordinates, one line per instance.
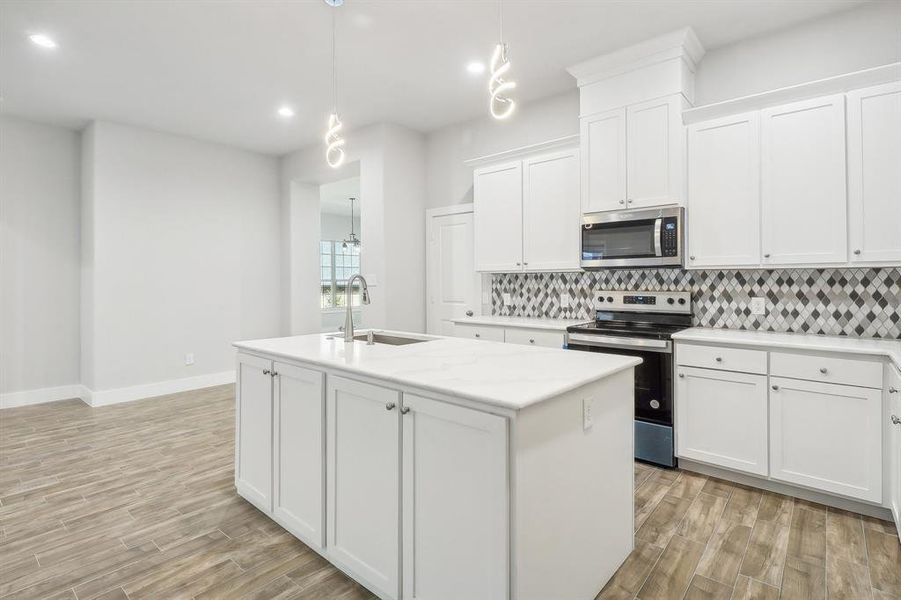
(300, 452)
(497, 200)
(455, 502)
(827, 436)
(894, 445)
(654, 149)
(364, 483)
(874, 173)
(724, 192)
(803, 182)
(551, 220)
(721, 419)
(603, 142)
(253, 443)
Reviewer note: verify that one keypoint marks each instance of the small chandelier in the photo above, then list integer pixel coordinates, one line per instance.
(352, 240)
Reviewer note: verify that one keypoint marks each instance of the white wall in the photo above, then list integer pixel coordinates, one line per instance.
(184, 255)
(449, 181)
(337, 227)
(842, 42)
(39, 256)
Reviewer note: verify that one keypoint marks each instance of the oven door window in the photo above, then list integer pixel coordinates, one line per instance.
(630, 239)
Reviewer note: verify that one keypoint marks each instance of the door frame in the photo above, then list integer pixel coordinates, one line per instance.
(431, 213)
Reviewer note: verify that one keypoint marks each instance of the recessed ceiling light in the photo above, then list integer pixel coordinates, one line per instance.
(475, 67)
(286, 112)
(44, 41)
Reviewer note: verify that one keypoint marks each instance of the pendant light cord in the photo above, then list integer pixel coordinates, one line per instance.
(500, 19)
(334, 67)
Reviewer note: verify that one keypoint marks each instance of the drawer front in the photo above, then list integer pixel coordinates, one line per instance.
(480, 332)
(718, 357)
(534, 337)
(826, 369)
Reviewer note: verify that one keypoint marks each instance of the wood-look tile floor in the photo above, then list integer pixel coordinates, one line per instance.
(137, 501)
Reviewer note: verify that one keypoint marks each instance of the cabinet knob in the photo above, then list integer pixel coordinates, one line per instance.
(266, 372)
(857, 252)
(896, 420)
(468, 313)
(478, 335)
(390, 406)
(518, 264)
(775, 388)
(629, 201)
(691, 257)
(824, 370)
(681, 374)
(531, 340)
(525, 264)
(719, 359)
(274, 374)
(405, 410)
(622, 201)
(892, 390)
(766, 255)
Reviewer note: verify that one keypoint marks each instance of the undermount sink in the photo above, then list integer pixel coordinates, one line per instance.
(391, 340)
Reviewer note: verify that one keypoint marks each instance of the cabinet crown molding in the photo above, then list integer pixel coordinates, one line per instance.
(682, 43)
(802, 91)
(567, 141)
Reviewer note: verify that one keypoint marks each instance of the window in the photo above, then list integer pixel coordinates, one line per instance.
(337, 264)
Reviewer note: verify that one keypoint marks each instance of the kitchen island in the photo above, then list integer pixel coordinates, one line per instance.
(442, 467)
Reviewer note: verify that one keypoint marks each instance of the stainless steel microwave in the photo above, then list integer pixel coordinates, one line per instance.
(633, 238)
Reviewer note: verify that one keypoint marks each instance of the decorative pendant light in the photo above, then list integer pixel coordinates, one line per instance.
(500, 104)
(334, 143)
(353, 240)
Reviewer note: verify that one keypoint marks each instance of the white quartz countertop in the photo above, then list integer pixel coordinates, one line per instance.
(796, 341)
(506, 375)
(524, 322)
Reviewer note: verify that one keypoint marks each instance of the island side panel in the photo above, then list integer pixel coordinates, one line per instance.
(572, 491)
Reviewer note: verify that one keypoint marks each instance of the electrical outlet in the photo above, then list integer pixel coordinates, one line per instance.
(587, 417)
(189, 358)
(565, 300)
(758, 306)
(508, 299)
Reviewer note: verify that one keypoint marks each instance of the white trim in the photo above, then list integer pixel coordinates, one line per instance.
(42, 395)
(803, 91)
(561, 142)
(443, 211)
(159, 388)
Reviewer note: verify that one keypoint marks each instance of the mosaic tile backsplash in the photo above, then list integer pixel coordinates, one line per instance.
(851, 302)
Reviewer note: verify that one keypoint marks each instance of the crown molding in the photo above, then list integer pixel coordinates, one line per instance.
(568, 141)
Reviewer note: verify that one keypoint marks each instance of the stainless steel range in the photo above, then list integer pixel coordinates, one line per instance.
(641, 324)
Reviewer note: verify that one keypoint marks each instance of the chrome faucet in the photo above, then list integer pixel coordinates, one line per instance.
(348, 298)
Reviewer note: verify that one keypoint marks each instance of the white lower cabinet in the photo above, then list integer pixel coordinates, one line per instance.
(894, 444)
(363, 474)
(827, 436)
(455, 519)
(721, 418)
(298, 452)
(253, 431)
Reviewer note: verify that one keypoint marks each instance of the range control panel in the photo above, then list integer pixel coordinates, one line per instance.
(643, 301)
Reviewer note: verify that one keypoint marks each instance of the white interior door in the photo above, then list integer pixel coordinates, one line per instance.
(454, 502)
(363, 474)
(454, 286)
(550, 211)
(497, 200)
(253, 443)
(874, 173)
(299, 471)
(803, 185)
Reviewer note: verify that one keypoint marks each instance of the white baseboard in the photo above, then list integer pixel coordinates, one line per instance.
(160, 388)
(116, 395)
(40, 396)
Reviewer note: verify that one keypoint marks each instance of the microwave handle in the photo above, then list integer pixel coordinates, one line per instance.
(658, 225)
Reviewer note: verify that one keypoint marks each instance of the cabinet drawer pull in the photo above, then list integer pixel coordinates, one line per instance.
(468, 313)
(857, 252)
(681, 374)
(896, 420)
(478, 335)
(892, 390)
(274, 374)
(766, 255)
(719, 359)
(390, 406)
(531, 340)
(266, 372)
(691, 257)
(824, 370)
(775, 388)
(622, 201)
(405, 410)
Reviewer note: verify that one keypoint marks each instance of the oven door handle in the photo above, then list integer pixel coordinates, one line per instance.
(609, 341)
(658, 226)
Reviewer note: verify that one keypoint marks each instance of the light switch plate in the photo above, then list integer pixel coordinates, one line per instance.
(565, 300)
(189, 358)
(758, 306)
(587, 417)
(508, 300)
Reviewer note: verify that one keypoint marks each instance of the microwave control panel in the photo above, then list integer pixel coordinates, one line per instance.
(669, 236)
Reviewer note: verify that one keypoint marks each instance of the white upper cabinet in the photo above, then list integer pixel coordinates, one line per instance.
(724, 192)
(497, 194)
(654, 149)
(527, 214)
(874, 173)
(550, 213)
(603, 142)
(804, 202)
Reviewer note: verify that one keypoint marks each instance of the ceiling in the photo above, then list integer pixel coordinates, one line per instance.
(333, 197)
(218, 70)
